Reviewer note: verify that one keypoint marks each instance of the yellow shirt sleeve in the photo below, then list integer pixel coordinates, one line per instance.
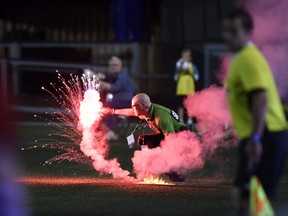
(252, 76)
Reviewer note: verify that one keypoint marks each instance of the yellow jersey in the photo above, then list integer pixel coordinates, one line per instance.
(250, 71)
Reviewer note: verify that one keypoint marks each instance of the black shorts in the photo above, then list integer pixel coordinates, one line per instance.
(271, 165)
(151, 140)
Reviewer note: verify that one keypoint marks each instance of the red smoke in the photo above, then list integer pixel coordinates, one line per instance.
(178, 152)
(210, 108)
(185, 151)
(271, 36)
(94, 144)
(221, 72)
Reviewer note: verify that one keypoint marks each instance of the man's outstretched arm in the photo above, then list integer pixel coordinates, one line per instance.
(124, 112)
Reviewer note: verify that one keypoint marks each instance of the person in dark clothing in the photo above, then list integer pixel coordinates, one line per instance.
(118, 89)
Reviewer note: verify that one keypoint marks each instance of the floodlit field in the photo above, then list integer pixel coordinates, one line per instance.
(71, 188)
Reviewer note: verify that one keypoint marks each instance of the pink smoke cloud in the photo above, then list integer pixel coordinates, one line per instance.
(214, 121)
(221, 72)
(179, 152)
(94, 144)
(185, 151)
(271, 36)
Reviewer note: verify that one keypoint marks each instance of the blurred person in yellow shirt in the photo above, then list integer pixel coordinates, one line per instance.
(185, 76)
(257, 113)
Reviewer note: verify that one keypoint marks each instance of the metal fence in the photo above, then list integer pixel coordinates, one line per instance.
(16, 59)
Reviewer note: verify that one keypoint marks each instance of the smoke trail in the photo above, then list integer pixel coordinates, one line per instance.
(271, 36)
(223, 67)
(210, 108)
(178, 152)
(88, 134)
(185, 151)
(92, 144)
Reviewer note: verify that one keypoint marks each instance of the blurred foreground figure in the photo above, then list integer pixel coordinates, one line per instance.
(256, 109)
(13, 195)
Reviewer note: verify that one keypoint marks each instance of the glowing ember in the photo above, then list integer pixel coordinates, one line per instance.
(154, 180)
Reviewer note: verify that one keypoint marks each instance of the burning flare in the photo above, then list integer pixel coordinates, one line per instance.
(89, 121)
(155, 180)
(78, 122)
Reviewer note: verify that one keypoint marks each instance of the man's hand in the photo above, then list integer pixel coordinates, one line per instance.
(254, 151)
(105, 86)
(107, 111)
(101, 76)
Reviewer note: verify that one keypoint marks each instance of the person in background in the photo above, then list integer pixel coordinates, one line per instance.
(118, 90)
(185, 76)
(257, 113)
(160, 119)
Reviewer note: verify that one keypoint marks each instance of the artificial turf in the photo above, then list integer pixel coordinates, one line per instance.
(72, 188)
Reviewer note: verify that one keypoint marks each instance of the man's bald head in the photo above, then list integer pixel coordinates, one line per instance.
(141, 104)
(143, 99)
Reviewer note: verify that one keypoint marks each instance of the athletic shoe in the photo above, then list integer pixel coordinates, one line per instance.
(173, 176)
